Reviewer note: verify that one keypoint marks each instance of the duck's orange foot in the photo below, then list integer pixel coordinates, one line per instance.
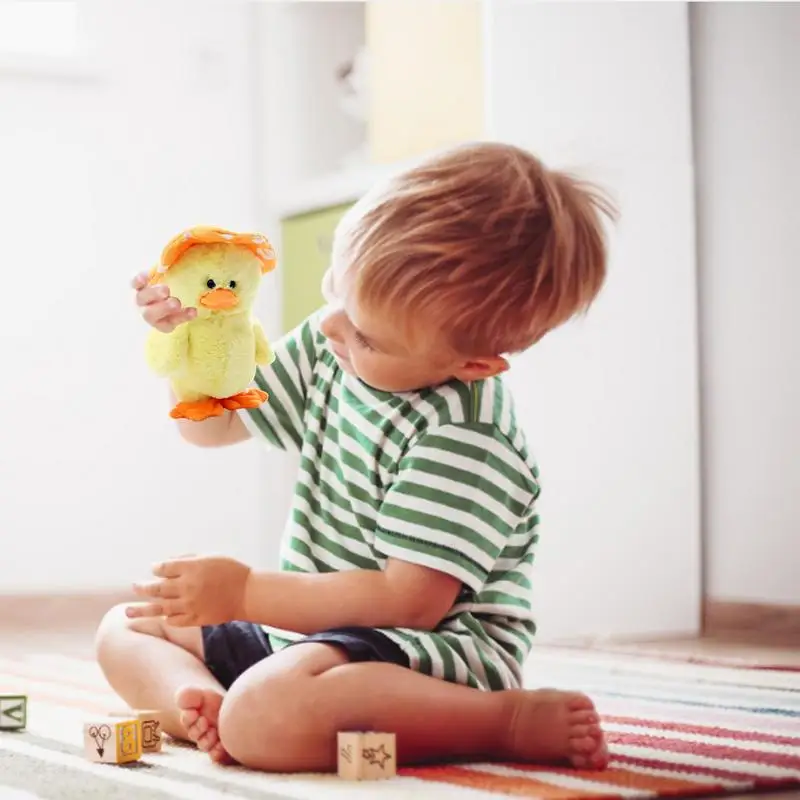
(198, 410)
(252, 398)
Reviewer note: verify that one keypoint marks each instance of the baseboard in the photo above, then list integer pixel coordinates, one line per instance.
(761, 622)
(65, 612)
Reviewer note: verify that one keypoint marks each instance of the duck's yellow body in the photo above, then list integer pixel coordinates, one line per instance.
(214, 357)
(211, 361)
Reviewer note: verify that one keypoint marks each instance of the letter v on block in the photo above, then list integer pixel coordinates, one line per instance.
(13, 711)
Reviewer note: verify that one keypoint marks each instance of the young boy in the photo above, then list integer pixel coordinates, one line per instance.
(403, 600)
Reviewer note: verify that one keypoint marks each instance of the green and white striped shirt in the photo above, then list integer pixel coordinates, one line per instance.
(440, 477)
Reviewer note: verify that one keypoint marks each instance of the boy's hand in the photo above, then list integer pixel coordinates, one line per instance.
(196, 590)
(160, 310)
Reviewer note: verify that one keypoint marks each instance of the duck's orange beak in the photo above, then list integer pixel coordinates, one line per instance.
(219, 299)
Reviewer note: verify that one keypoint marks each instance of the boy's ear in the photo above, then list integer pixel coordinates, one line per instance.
(477, 369)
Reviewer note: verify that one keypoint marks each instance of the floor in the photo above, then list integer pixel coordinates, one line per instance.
(764, 653)
(78, 642)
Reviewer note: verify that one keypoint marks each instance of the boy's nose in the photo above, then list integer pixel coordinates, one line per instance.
(332, 324)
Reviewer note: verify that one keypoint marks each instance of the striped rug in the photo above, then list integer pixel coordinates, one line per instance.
(674, 730)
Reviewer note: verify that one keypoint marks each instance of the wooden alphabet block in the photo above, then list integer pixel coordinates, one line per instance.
(366, 756)
(113, 742)
(13, 712)
(151, 727)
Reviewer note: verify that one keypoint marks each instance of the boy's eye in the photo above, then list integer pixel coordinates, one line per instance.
(210, 283)
(362, 342)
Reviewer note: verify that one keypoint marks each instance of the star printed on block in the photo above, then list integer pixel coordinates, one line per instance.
(377, 755)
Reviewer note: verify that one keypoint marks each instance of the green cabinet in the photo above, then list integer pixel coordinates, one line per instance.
(306, 241)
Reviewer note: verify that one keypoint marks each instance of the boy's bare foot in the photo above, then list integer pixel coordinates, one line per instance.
(550, 726)
(199, 710)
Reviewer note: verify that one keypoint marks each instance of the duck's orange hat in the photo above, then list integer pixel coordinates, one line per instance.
(257, 244)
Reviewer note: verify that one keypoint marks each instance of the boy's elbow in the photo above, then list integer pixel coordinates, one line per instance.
(426, 621)
(423, 616)
(420, 597)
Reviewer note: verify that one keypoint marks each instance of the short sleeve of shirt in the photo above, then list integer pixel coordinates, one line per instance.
(460, 492)
(286, 380)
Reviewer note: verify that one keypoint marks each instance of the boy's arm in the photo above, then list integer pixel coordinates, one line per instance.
(286, 380)
(460, 495)
(403, 595)
(208, 590)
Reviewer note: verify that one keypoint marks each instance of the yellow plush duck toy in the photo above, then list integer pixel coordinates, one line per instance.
(211, 360)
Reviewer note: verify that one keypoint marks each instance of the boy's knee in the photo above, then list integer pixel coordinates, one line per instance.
(116, 627)
(256, 722)
(270, 724)
(270, 717)
(115, 622)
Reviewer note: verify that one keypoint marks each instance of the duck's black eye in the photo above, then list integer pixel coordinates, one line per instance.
(210, 283)
(232, 284)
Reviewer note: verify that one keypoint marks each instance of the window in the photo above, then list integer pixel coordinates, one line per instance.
(39, 28)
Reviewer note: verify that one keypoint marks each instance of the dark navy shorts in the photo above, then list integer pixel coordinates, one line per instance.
(232, 648)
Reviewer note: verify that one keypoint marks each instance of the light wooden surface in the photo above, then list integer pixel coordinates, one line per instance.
(757, 650)
(765, 623)
(59, 614)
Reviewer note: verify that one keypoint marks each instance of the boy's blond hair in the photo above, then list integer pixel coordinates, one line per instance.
(481, 244)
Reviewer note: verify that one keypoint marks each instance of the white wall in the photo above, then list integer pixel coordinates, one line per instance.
(610, 403)
(96, 176)
(747, 130)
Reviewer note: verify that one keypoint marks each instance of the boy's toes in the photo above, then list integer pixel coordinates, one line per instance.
(199, 711)
(219, 755)
(586, 740)
(589, 754)
(199, 729)
(584, 716)
(189, 717)
(208, 740)
(189, 698)
(582, 731)
(585, 745)
(600, 758)
(581, 702)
